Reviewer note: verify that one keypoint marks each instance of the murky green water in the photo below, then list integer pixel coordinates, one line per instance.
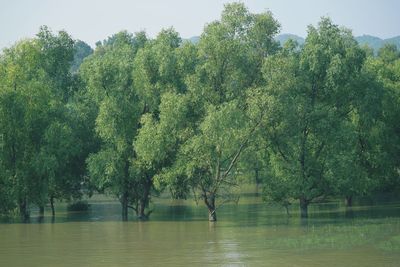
(248, 234)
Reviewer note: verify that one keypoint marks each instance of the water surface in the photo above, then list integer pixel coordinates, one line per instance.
(249, 234)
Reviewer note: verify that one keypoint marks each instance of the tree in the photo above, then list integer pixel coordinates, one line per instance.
(108, 74)
(311, 93)
(25, 98)
(157, 142)
(35, 86)
(219, 89)
(159, 73)
(387, 69)
(361, 163)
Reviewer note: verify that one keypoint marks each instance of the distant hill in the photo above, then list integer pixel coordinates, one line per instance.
(376, 43)
(81, 51)
(372, 41)
(282, 38)
(194, 39)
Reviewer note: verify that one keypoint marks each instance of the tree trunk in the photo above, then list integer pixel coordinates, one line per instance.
(257, 180)
(124, 204)
(23, 210)
(142, 205)
(53, 212)
(304, 207)
(40, 218)
(209, 200)
(349, 213)
(286, 204)
(212, 215)
(125, 195)
(349, 201)
(41, 211)
(144, 201)
(141, 210)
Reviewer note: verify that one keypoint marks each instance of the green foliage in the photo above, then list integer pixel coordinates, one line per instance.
(57, 54)
(387, 69)
(108, 75)
(230, 52)
(312, 93)
(157, 68)
(138, 116)
(37, 142)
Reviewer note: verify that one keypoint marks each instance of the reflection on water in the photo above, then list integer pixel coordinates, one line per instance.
(249, 234)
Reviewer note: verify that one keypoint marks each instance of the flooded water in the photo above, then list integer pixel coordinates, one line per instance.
(178, 234)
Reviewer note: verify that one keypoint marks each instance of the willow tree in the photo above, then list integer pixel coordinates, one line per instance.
(127, 76)
(159, 73)
(34, 84)
(312, 92)
(14, 95)
(230, 53)
(363, 161)
(108, 75)
(387, 69)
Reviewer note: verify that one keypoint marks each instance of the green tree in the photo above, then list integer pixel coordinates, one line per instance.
(387, 68)
(362, 162)
(108, 75)
(226, 71)
(25, 108)
(35, 85)
(311, 95)
(159, 74)
(156, 69)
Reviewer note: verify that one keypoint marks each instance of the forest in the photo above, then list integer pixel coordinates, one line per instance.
(138, 117)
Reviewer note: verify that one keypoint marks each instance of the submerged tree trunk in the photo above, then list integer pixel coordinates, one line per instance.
(141, 210)
(209, 200)
(212, 215)
(23, 209)
(124, 204)
(349, 201)
(125, 195)
(286, 204)
(144, 201)
(142, 205)
(40, 218)
(304, 207)
(41, 211)
(53, 212)
(257, 180)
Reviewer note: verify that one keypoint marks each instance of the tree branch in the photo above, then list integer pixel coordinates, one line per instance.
(132, 207)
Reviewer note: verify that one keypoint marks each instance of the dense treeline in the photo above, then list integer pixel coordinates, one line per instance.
(139, 116)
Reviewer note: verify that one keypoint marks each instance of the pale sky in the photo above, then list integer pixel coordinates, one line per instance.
(94, 20)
